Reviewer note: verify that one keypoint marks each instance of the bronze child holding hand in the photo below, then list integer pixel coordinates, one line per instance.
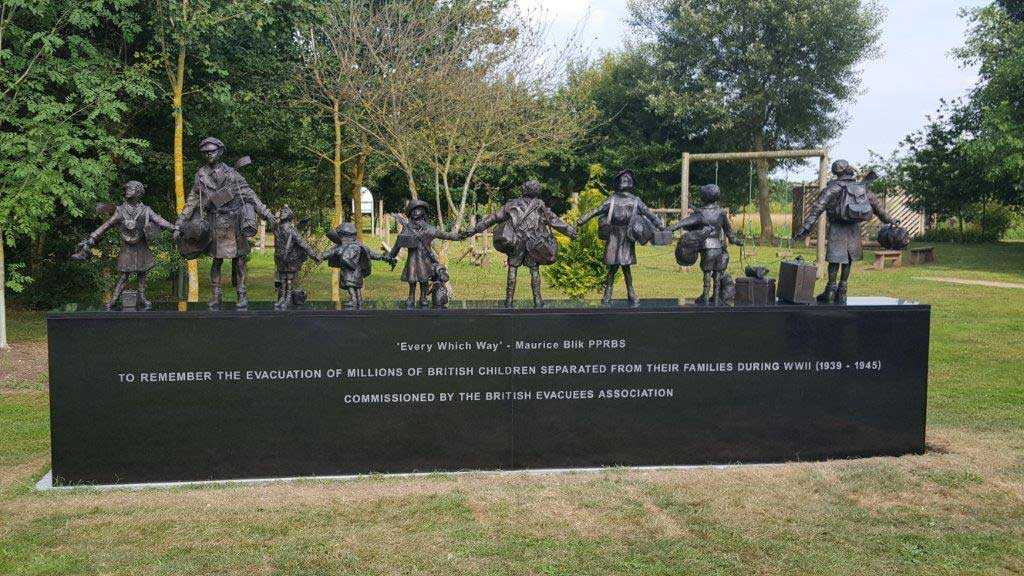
(714, 223)
(416, 238)
(352, 259)
(624, 220)
(138, 225)
(290, 252)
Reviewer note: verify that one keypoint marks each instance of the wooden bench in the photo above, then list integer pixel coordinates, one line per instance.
(894, 257)
(922, 255)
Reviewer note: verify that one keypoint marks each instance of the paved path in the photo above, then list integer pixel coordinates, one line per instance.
(971, 282)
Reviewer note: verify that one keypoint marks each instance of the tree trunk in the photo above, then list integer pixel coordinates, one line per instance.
(763, 194)
(3, 295)
(358, 175)
(437, 200)
(339, 208)
(412, 183)
(178, 91)
(461, 214)
(443, 252)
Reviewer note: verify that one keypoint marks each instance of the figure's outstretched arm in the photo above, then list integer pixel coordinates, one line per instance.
(876, 207)
(650, 215)
(110, 223)
(558, 224)
(306, 247)
(491, 219)
(600, 210)
(393, 254)
(438, 233)
(819, 206)
(690, 222)
(159, 221)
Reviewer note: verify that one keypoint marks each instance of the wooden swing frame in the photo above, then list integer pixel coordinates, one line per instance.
(823, 172)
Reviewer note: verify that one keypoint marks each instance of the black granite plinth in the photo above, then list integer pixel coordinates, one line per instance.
(198, 395)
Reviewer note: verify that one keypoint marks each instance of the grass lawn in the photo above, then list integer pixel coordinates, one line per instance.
(958, 509)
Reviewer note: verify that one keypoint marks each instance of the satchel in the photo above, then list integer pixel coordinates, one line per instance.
(504, 238)
(854, 205)
(194, 237)
(639, 229)
(893, 237)
(542, 249)
(249, 222)
(505, 233)
(689, 245)
(349, 257)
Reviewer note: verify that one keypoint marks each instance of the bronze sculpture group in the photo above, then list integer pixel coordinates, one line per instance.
(222, 212)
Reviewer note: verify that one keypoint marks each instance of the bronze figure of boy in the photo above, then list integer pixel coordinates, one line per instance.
(525, 238)
(222, 197)
(290, 252)
(847, 204)
(713, 222)
(352, 259)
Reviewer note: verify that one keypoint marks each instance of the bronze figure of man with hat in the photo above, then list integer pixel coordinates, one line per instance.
(228, 209)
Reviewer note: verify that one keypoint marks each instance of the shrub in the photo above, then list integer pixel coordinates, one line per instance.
(1016, 231)
(580, 268)
(992, 220)
(983, 223)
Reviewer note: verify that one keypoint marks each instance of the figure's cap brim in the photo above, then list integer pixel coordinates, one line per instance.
(210, 144)
(414, 204)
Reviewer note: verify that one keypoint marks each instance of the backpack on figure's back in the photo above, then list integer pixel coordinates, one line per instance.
(854, 205)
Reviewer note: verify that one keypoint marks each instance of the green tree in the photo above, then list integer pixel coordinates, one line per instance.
(1014, 8)
(763, 75)
(630, 132)
(63, 95)
(580, 268)
(184, 31)
(938, 170)
(995, 44)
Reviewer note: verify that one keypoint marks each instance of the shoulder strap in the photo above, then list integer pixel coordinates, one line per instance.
(430, 253)
(533, 206)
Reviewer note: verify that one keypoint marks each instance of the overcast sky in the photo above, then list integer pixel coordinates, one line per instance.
(900, 88)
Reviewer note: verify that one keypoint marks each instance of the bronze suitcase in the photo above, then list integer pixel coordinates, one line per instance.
(662, 238)
(796, 281)
(755, 291)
